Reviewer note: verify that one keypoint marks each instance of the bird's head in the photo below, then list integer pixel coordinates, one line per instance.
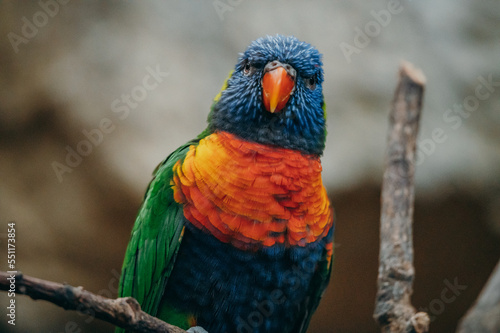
(274, 96)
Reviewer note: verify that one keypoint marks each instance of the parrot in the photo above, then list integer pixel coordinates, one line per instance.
(235, 232)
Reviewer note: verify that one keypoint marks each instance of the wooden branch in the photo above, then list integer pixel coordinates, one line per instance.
(124, 312)
(484, 316)
(393, 309)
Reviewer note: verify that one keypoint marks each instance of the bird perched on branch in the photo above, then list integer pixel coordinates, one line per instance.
(235, 233)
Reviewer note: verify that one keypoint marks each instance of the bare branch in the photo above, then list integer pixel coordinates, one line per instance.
(484, 316)
(124, 312)
(393, 309)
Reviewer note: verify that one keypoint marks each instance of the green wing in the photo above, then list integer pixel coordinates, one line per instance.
(155, 239)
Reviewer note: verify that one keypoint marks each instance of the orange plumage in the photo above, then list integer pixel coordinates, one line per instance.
(252, 195)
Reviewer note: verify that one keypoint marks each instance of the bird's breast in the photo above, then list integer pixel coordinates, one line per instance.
(252, 195)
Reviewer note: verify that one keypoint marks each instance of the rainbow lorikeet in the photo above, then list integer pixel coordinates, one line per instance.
(235, 233)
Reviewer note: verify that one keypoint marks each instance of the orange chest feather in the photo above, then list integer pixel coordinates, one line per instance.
(252, 195)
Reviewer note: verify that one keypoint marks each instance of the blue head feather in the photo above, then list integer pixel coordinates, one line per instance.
(300, 125)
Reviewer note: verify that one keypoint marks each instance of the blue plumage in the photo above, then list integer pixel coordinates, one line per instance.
(301, 124)
(235, 291)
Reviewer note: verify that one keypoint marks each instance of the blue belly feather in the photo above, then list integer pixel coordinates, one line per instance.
(231, 290)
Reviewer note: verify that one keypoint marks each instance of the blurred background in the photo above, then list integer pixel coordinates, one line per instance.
(93, 95)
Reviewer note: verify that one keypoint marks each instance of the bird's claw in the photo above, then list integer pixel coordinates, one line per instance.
(197, 329)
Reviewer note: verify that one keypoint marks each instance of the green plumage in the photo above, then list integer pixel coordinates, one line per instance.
(155, 239)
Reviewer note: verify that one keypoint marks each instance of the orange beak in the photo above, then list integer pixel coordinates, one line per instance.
(277, 86)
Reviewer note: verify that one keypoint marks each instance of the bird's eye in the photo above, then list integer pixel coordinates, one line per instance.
(311, 82)
(248, 69)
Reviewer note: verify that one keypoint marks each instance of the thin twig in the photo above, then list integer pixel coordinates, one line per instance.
(124, 312)
(484, 316)
(393, 309)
